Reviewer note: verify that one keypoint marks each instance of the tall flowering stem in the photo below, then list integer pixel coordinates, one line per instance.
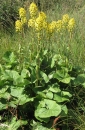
(41, 29)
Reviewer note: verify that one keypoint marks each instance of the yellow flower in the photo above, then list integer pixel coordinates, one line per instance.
(22, 12)
(18, 26)
(59, 25)
(42, 15)
(33, 9)
(31, 23)
(71, 24)
(65, 18)
(40, 22)
(44, 24)
(23, 20)
(51, 27)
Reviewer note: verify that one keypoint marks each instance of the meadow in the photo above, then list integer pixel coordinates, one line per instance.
(42, 65)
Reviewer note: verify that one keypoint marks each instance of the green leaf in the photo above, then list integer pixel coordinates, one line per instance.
(25, 73)
(16, 91)
(47, 108)
(49, 95)
(45, 77)
(14, 124)
(54, 88)
(38, 126)
(3, 104)
(50, 76)
(66, 94)
(21, 98)
(9, 58)
(64, 111)
(80, 80)
(62, 76)
(59, 97)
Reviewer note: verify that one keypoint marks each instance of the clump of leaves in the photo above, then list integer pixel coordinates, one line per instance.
(39, 90)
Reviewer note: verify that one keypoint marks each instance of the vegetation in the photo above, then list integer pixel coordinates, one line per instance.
(42, 65)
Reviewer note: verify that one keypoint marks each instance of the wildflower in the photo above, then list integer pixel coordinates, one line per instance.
(18, 26)
(42, 15)
(31, 23)
(71, 24)
(33, 9)
(40, 22)
(65, 18)
(51, 27)
(22, 12)
(59, 25)
(23, 20)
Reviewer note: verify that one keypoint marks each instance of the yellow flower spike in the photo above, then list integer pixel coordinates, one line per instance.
(31, 23)
(39, 24)
(65, 18)
(59, 25)
(22, 12)
(23, 20)
(18, 26)
(33, 9)
(44, 24)
(51, 27)
(42, 15)
(71, 24)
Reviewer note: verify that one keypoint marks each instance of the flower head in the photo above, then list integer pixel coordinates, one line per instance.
(65, 18)
(18, 26)
(42, 15)
(51, 27)
(40, 22)
(59, 25)
(23, 20)
(71, 24)
(31, 23)
(22, 12)
(33, 9)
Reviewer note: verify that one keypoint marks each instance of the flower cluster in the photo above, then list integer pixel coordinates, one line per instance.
(51, 27)
(71, 24)
(65, 19)
(38, 21)
(33, 10)
(22, 12)
(18, 26)
(20, 23)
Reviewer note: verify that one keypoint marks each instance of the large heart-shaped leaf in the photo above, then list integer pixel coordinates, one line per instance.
(62, 76)
(47, 108)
